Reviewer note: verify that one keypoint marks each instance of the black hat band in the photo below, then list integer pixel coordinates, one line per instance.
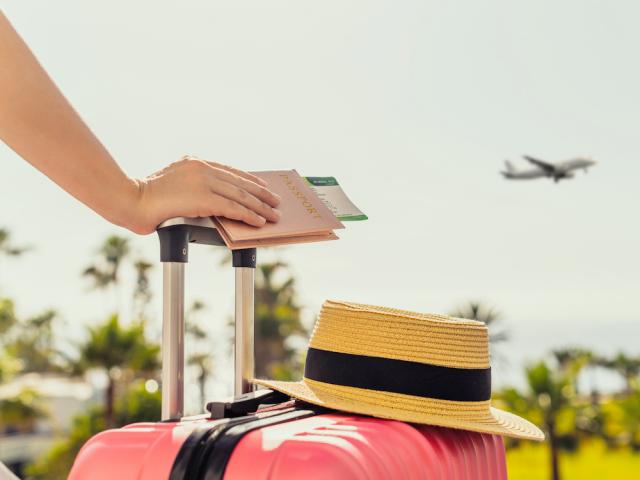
(398, 376)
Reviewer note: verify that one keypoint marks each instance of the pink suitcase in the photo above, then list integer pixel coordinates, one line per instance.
(264, 435)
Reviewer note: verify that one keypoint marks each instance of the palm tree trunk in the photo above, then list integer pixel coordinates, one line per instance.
(108, 403)
(553, 452)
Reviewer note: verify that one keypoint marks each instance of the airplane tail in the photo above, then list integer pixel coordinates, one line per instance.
(509, 166)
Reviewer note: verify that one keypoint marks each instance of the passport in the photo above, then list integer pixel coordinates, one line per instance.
(305, 218)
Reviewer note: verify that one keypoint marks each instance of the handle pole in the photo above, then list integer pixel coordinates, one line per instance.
(173, 340)
(244, 366)
(244, 262)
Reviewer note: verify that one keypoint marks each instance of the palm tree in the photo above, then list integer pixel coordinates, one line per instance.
(123, 352)
(572, 361)
(104, 273)
(115, 348)
(201, 360)
(277, 317)
(6, 247)
(142, 293)
(8, 317)
(549, 392)
(628, 368)
(476, 310)
(34, 345)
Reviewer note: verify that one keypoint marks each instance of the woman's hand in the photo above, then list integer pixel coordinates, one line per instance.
(193, 187)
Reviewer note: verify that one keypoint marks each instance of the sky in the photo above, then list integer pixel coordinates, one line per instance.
(413, 106)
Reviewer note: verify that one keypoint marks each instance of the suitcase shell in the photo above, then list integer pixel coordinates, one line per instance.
(321, 446)
(327, 446)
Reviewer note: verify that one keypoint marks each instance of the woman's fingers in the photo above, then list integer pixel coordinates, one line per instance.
(244, 198)
(240, 173)
(244, 180)
(257, 191)
(228, 208)
(240, 187)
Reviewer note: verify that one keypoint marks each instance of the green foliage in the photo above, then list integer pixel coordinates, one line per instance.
(21, 411)
(200, 359)
(203, 362)
(9, 366)
(622, 426)
(277, 317)
(142, 294)
(192, 327)
(572, 359)
(120, 351)
(138, 405)
(57, 462)
(627, 367)
(27, 345)
(8, 317)
(551, 388)
(112, 345)
(34, 344)
(111, 253)
(515, 401)
(123, 352)
(547, 402)
(286, 371)
(572, 420)
(630, 407)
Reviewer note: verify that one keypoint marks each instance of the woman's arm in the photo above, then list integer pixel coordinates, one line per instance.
(40, 125)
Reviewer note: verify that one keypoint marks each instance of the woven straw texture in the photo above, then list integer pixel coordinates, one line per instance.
(398, 334)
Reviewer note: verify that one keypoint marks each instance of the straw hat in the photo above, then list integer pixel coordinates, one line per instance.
(414, 367)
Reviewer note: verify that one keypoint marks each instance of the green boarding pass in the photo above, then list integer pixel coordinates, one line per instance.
(331, 193)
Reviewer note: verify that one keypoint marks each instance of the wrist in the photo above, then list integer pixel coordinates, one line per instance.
(131, 211)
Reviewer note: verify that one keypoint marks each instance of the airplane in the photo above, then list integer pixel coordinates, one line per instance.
(557, 171)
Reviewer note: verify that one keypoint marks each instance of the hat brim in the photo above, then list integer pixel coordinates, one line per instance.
(472, 417)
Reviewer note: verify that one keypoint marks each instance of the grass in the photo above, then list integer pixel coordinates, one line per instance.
(591, 462)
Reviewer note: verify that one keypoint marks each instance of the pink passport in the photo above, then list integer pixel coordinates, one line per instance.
(305, 218)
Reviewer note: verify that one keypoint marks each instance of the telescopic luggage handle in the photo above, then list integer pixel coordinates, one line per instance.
(175, 236)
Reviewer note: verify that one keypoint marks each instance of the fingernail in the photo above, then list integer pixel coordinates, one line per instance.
(277, 214)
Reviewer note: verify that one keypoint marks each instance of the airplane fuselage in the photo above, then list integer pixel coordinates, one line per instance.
(577, 163)
(557, 171)
(524, 174)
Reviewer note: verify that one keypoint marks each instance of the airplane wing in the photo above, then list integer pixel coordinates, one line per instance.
(547, 167)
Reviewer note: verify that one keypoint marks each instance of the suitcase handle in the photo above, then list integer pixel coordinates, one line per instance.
(175, 236)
